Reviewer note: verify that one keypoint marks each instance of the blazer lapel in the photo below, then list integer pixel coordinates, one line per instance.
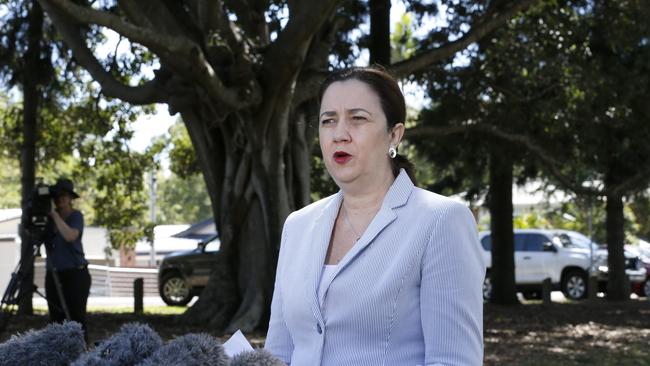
(323, 226)
(396, 196)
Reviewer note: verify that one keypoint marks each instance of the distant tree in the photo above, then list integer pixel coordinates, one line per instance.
(564, 85)
(57, 109)
(22, 66)
(182, 200)
(9, 185)
(182, 196)
(640, 206)
(612, 117)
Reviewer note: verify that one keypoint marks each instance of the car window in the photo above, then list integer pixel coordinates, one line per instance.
(212, 246)
(535, 242)
(486, 242)
(519, 242)
(564, 240)
(580, 241)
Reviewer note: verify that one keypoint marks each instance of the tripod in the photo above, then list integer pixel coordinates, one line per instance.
(12, 294)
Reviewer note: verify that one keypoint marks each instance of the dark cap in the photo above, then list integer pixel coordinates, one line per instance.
(64, 185)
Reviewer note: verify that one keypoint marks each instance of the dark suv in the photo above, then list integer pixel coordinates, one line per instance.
(183, 274)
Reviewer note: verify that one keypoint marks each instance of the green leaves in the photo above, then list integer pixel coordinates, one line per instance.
(403, 43)
(181, 152)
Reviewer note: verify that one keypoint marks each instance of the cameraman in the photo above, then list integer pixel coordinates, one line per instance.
(65, 255)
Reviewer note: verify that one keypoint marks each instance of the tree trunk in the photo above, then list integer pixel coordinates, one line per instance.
(502, 272)
(380, 32)
(253, 185)
(28, 151)
(618, 286)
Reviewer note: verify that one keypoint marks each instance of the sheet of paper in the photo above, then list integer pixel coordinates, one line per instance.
(237, 344)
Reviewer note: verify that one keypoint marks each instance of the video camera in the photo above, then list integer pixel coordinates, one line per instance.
(39, 206)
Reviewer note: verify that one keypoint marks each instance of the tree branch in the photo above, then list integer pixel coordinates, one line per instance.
(155, 40)
(478, 31)
(287, 53)
(251, 19)
(635, 183)
(147, 93)
(422, 132)
(315, 68)
(177, 51)
(282, 65)
(207, 11)
(132, 11)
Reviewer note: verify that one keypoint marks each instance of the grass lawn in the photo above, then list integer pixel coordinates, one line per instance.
(148, 310)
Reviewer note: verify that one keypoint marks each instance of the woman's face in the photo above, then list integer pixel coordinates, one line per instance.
(353, 132)
(63, 200)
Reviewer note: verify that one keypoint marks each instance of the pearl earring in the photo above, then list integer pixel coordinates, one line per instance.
(392, 152)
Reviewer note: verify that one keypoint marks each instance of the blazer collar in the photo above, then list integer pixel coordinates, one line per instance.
(399, 192)
(397, 196)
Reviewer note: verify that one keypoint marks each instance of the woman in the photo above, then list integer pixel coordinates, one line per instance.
(66, 262)
(381, 273)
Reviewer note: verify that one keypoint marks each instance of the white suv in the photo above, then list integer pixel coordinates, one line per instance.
(561, 255)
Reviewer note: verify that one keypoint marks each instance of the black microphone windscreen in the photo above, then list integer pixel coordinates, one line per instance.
(259, 357)
(56, 344)
(132, 344)
(193, 349)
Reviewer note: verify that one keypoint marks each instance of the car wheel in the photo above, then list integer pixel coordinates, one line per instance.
(487, 287)
(646, 289)
(174, 290)
(574, 285)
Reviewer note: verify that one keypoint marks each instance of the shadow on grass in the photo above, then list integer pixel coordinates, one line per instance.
(575, 333)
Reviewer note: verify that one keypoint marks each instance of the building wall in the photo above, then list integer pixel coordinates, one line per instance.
(9, 255)
(9, 227)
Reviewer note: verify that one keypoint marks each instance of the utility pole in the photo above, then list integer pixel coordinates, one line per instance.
(152, 211)
(31, 103)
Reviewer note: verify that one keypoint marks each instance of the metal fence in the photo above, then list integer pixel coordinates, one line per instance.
(110, 281)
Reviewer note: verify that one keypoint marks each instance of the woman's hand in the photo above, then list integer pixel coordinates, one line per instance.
(53, 212)
(68, 233)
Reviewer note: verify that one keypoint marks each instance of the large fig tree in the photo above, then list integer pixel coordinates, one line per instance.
(243, 75)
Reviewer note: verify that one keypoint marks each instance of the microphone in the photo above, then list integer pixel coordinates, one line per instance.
(56, 344)
(192, 349)
(130, 345)
(259, 357)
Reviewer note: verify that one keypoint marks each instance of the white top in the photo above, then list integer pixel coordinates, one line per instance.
(329, 270)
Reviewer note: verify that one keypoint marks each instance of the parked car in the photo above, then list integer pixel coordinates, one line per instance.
(634, 269)
(643, 252)
(183, 274)
(561, 255)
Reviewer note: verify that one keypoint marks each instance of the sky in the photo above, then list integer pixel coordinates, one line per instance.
(147, 127)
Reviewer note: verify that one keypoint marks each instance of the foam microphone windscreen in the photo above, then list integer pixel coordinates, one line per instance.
(56, 344)
(193, 349)
(130, 345)
(259, 357)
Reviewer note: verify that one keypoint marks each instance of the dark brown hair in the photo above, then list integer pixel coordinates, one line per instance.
(390, 97)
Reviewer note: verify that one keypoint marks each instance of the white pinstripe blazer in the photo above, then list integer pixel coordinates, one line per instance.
(408, 293)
